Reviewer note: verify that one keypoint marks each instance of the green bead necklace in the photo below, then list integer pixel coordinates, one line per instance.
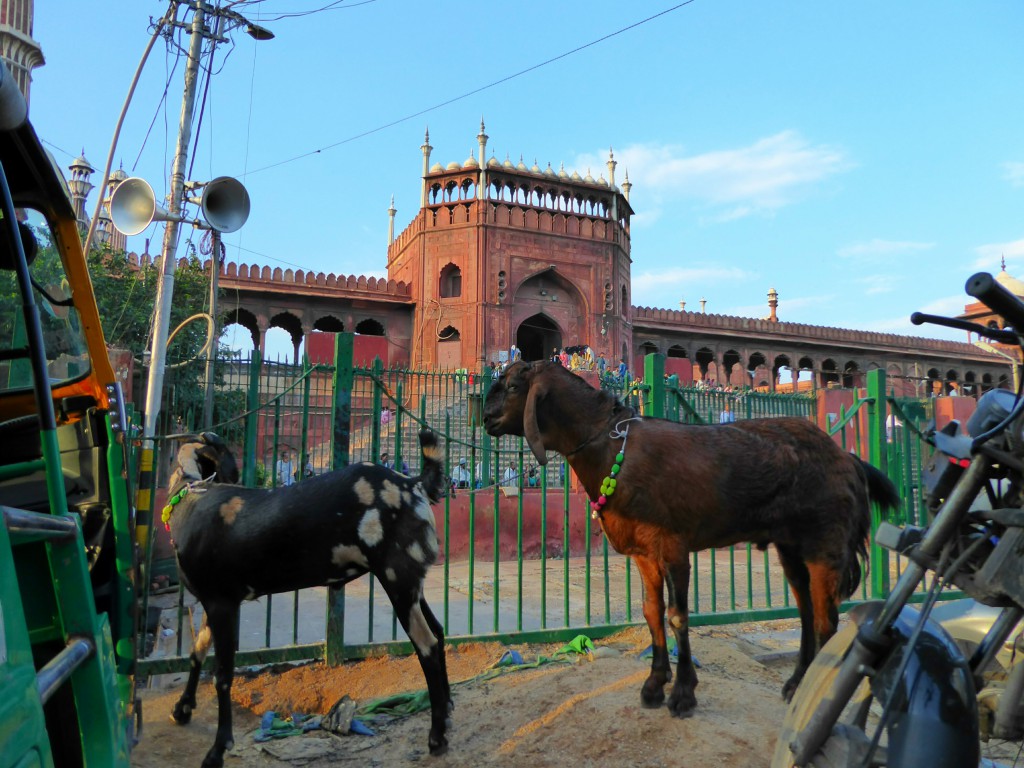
(609, 484)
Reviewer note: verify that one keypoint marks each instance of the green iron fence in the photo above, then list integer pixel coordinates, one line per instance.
(521, 558)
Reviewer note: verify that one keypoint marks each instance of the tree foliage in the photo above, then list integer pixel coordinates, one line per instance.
(126, 297)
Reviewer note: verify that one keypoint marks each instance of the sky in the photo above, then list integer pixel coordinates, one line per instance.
(862, 159)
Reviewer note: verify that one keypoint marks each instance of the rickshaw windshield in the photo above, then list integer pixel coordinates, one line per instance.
(67, 356)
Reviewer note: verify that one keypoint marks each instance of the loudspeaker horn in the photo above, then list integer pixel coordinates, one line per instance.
(133, 206)
(225, 204)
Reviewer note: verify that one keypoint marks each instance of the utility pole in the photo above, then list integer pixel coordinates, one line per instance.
(165, 288)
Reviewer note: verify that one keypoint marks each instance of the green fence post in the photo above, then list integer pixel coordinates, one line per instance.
(344, 375)
(252, 402)
(876, 408)
(307, 377)
(654, 378)
(376, 405)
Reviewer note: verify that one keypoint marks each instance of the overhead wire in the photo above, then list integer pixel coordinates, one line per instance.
(473, 92)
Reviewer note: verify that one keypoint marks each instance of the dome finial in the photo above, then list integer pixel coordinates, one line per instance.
(1003, 260)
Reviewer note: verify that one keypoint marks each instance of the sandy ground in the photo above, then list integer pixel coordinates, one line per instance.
(581, 713)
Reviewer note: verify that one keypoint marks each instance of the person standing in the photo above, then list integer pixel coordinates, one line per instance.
(727, 416)
(510, 477)
(460, 475)
(285, 468)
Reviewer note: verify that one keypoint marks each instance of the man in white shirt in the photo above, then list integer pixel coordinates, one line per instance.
(285, 468)
(510, 477)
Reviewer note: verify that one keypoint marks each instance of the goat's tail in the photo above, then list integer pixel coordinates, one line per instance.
(883, 491)
(432, 476)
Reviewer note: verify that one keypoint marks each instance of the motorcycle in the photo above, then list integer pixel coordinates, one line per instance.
(894, 688)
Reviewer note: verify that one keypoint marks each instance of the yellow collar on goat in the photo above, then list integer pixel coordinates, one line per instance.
(609, 484)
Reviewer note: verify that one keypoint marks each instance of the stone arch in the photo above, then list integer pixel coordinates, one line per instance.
(829, 372)
(537, 337)
(757, 369)
(370, 327)
(329, 324)
(449, 348)
(852, 375)
(245, 319)
(704, 358)
(676, 351)
(970, 386)
(782, 365)
(449, 282)
(733, 369)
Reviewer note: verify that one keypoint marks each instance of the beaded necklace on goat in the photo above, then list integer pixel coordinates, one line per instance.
(610, 482)
(175, 499)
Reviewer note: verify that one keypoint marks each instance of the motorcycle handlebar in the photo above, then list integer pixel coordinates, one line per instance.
(1003, 337)
(994, 295)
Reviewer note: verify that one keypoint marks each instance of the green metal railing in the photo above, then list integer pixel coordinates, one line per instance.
(521, 559)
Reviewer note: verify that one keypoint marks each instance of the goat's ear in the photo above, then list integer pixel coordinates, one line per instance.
(538, 389)
(188, 461)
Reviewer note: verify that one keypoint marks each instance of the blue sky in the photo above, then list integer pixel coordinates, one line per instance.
(863, 158)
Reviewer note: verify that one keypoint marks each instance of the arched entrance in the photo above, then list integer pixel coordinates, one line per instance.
(537, 336)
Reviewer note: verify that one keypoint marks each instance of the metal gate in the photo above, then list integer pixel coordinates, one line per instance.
(520, 558)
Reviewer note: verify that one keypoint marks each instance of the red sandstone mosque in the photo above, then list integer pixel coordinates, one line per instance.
(501, 254)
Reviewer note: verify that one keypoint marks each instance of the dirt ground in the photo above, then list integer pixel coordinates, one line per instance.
(584, 712)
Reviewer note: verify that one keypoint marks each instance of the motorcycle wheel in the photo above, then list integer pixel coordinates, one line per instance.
(848, 743)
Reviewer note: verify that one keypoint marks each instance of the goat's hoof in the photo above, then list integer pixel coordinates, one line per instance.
(652, 697)
(682, 705)
(182, 714)
(213, 761)
(438, 746)
(790, 687)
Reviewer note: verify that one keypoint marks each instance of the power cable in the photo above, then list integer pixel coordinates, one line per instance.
(474, 91)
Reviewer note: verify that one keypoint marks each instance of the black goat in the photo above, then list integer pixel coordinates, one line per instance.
(663, 490)
(235, 544)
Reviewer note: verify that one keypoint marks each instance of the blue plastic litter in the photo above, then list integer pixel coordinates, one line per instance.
(509, 658)
(359, 727)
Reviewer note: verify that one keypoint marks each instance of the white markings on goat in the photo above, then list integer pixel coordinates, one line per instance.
(391, 495)
(229, 509)
(364, 491)
(430, 542)
(434, 452)
(202, 643)
(344, 554)
(425, 512)
(416, 552)
(390, 574)
(407, 498)
(419, 630)
(370, 530)
(251, 594)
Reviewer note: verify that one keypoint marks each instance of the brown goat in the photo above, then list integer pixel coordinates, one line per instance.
(684, 488)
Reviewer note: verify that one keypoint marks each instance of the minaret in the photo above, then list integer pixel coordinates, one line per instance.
(107, 234)
(425, 149)
(80, 187)
(481, 188)
(773, 305)
(611, 183)
(19, 51)
(626, 186)
(391, 221)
